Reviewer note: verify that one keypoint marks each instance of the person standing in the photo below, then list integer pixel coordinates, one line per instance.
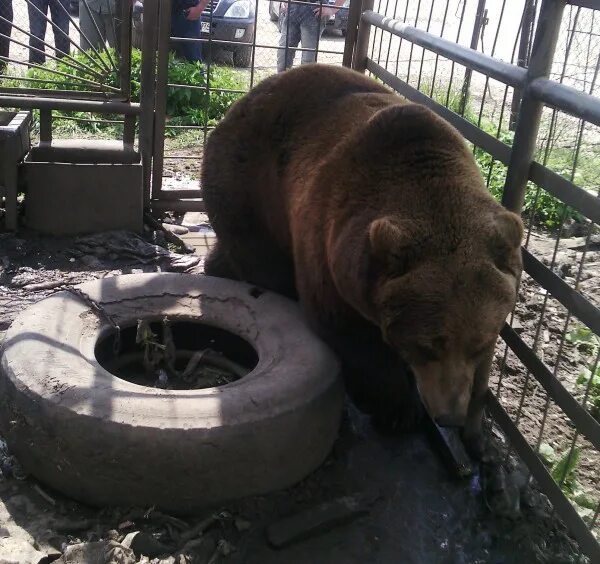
(301, 23)
(185, 22)
(98, 25)
(6, 18)
(59, 13)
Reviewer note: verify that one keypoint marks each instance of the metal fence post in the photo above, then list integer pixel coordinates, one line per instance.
(359, 58)
(354, 13)
(522, 57)
(524, 144)
(480, 17)
(160, 109)
(147, 94)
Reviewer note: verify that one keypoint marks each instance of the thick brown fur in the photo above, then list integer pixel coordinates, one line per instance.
(323, 185)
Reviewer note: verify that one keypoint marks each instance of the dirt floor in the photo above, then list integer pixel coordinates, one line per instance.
(409, 507)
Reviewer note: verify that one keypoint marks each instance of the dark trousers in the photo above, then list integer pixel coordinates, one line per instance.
(6, 11)
(59, 13)
(182, 27)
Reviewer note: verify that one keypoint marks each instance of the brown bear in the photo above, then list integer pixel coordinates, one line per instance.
(323, 185)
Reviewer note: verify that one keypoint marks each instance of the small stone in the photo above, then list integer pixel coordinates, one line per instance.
(145, 544)
(177, 229)
(242, 525)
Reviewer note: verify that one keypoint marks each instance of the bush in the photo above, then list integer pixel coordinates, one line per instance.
(185, 106)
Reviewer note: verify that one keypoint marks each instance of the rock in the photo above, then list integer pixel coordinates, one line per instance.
(241, 524)
(17, 551)
(102, 552)
(197, 550)
(145, 544)
(177, 229)
(196, 221)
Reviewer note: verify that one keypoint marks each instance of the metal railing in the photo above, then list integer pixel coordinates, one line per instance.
(535, 90)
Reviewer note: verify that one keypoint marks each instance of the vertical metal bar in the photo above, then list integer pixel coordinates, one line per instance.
(479, 16)
(160, 101)
(359, 61)
(45, 127)
(528, 123)
(522, 57)
(148, 79)
(11, 185)
(129, 132)
(125, 48)
(354, 12)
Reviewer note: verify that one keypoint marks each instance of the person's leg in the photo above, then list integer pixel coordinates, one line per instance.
(311, 29)
(88, 36)
(290, 37)
(37, 29)
(110, 27)
(182, 27)
(6, 11)
(59, 10)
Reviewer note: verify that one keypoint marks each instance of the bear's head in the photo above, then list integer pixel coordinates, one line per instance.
(441, 296)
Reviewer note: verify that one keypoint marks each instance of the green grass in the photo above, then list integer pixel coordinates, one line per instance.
(185, 106)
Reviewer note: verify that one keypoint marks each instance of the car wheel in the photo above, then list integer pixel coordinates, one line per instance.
(104, 440)
(242, 57)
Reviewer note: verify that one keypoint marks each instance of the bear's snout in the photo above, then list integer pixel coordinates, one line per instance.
(445, 391)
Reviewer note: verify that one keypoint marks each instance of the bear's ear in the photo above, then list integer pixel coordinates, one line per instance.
(508, 230)
(392, 242)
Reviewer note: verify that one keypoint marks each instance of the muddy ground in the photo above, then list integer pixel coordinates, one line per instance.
(416, 511)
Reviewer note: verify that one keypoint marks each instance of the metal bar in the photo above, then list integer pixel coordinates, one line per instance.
(504, 72)
(469, 130)
(148, 78)
(160, 103)
(523, 56)
(565, 98)
(178, 205)
(584, 422)
(182, 194)
(194, 87)
(67, 56)
(129, 132)
(246, 44)
(528, 123)
(359, 60)
(89, 43)
(567, 512)
(125, 47)
(94, 106)
(58, 73)
(577, 304)
(591, 4)
(474, 43)
(45, 127)
(60, 93)
(574, 196)
(354, 12)
(98, 62)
